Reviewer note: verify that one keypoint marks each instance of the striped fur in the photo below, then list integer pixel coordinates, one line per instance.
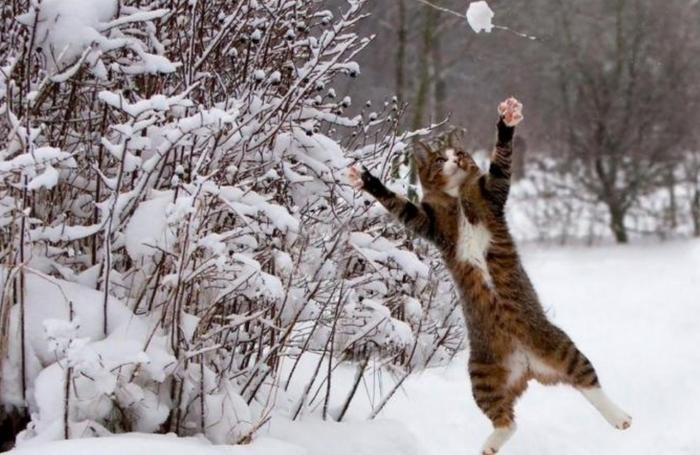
(510, 338)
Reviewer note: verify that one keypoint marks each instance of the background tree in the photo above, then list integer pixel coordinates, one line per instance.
(611, 88)
(626, 98)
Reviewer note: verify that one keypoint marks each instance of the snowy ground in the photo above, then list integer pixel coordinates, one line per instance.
(634, 310)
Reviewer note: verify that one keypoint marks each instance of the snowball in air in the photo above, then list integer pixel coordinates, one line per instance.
(479, 16)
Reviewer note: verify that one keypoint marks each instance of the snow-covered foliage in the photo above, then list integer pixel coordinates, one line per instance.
(619, 306)
(175, 224)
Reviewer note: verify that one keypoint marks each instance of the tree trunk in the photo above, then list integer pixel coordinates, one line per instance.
(400, 75)
(695, 212)
(672, 204)
(420, 104)
(617, 223)
(440, 86)
(401, 33)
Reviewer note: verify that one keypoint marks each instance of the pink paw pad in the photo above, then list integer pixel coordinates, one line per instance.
(511, 110)
(354, 177)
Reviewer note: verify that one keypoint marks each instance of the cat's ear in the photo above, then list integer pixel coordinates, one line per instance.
(421, 152)
(455, 140)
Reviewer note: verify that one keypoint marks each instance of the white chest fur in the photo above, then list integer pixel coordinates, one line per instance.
(472, 245)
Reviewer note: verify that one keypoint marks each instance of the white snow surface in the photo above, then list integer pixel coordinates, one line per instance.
(146, 444)
(147, 230)
(70, 31)
(67, 27)
(49, 299)
(633, 310)
(479, 16)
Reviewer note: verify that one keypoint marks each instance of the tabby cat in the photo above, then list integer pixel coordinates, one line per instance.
(510, 339)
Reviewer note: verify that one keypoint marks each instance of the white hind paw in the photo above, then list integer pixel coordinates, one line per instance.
(617, 417)
(610, 411)
(622, 422)
(497, 438)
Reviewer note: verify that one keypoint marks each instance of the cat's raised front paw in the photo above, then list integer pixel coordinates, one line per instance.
(511, 111)
(355, 177)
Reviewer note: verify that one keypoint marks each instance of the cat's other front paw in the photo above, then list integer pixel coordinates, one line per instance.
(511, 111)
(354, 175)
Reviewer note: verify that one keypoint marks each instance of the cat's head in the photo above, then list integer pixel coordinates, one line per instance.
(444, 168)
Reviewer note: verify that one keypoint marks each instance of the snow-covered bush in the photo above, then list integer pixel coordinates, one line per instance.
(175, 230)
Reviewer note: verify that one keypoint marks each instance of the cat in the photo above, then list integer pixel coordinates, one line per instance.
(511, 341)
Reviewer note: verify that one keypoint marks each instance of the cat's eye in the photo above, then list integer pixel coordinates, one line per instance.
(440, 160)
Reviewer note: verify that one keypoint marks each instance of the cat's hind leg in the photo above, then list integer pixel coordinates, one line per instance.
(496, 400)
(580, 373)
(498, 437)
(607, 408)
